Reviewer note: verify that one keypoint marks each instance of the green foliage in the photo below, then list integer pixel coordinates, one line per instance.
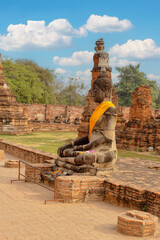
(131, 78)
(144, 208)
(72, 94)
(33, 84)
(29, 82)
(158, 99)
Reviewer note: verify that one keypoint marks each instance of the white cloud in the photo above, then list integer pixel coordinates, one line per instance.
(114, 62)
(35, 34)
(138, 49)
(77, 58)
(153, 77)
(57, 34)
(96, 23)
(115, 77)
(84, 75)
(60, 71)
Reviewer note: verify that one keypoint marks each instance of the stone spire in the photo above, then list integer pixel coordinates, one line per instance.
(99, 45)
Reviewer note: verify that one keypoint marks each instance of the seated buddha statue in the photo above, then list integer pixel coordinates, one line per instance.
(94, 153)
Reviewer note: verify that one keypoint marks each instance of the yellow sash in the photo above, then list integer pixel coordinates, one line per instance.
(98, 112)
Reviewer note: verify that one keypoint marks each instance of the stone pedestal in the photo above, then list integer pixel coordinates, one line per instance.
(137, 223)
(79, 188)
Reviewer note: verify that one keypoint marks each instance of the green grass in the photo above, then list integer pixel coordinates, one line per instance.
(147, 156)
(45, 141)
(51, 141)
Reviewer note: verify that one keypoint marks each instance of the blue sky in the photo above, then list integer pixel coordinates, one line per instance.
(61, 35)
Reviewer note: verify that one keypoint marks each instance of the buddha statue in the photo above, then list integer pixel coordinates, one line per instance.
(95, 153)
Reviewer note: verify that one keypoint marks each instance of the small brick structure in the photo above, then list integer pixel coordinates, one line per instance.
(13, 164)
(35, 174)
(1, 154)
(79, 189)
(137, 223)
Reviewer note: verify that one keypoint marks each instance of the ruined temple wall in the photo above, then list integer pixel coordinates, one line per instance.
(125, 111)
(51, 111)
(45, 111)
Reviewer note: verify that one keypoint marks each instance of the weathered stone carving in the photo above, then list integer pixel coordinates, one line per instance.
(95, 152)
(101, 63)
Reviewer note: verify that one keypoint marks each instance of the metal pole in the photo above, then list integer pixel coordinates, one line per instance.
(55, 183)
(19, 166)
(34, 174)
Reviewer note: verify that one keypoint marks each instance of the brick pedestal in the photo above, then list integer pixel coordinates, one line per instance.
(35, 174)
(137, 223)
(13, 164)
(79, 188)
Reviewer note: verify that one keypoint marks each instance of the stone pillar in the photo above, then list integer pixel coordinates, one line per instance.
(141, 108)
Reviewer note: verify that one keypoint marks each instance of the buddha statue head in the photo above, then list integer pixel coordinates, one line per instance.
(102, 88)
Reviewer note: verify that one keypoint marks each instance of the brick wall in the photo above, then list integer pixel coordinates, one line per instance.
(49, 127)
(26, 153)
(44, 111)
(51, 111)
(84, 188)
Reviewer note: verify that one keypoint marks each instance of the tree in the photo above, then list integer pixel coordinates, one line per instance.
(72, 93)
(158, 99)
(131, 78)
(29, 82)
(34, 84)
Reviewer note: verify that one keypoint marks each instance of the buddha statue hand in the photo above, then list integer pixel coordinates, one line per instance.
(78, 142)
(66, 146)
(83, 147)
(85, 159)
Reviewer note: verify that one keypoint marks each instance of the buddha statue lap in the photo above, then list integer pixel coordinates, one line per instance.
(96, 152)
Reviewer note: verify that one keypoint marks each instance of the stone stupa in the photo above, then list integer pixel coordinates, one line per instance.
(12, 117)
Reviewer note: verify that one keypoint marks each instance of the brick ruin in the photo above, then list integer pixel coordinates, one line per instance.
(137, 223)
(53, 113)
(12, 118)
(142, 131)
(45, 117)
